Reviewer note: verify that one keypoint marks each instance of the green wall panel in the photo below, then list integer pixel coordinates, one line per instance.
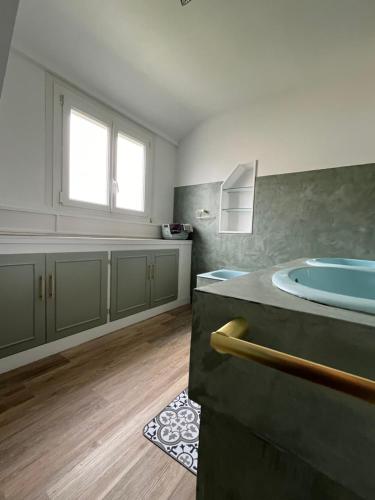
(328, 213)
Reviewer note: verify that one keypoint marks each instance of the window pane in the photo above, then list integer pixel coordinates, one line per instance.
(130, 170)
(88, 159)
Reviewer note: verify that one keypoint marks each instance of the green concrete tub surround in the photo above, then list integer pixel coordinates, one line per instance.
(269, 435)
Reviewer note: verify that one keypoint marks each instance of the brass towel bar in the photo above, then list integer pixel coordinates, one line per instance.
(227, 340)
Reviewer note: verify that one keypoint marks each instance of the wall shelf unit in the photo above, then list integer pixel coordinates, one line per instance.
(237, 200)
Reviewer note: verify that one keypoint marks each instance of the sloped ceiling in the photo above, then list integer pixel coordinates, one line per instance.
(8, 12)
(173, 67)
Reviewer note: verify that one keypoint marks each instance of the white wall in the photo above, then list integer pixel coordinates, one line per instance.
(22, 135)
(317, 127)
(26, 171)
(164, 180)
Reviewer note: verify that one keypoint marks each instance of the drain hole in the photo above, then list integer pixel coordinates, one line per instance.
(296, 280)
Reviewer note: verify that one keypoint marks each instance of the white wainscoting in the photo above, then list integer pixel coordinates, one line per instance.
(25, 220)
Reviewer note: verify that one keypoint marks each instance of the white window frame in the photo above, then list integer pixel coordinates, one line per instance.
(65, 98)
(72, 102)
(122, 127)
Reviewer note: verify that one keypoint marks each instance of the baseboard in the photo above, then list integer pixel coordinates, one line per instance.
(42, 351)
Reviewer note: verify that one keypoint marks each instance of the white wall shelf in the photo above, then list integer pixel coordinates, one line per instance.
(237, 189)
(236, 209)
(237, 200)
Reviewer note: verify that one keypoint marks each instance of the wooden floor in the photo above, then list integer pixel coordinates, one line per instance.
(71, 425)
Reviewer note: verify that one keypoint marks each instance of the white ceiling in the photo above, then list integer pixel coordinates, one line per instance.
(174, 66)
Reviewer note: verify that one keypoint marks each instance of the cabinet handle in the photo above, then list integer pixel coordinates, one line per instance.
(151, 271)
(42, 287)
(51, 286)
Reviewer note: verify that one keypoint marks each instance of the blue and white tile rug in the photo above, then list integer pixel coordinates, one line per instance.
(176, 431)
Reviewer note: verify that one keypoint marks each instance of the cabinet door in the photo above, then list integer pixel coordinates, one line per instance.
(164, 283)
(76, 292)
(130, 283)
(22, 301)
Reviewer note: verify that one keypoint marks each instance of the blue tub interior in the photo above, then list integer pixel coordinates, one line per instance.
(342, 286)
(222, 274)
(341, 262)
(351, 282)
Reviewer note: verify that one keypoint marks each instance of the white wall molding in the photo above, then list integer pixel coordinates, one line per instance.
(25, 243)
(30, 220)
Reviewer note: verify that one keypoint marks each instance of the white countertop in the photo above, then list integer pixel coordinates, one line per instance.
(17, 243)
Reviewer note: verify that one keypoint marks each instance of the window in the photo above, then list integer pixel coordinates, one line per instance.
(88, 159)
(130, 173)
(105, 158)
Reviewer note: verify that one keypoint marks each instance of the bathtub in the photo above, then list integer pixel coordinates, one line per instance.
(335, 262)
(218, 275)
(341, 286)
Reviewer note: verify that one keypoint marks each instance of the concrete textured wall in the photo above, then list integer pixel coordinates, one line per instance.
(270, 472)
(329, 212)
(318, 443)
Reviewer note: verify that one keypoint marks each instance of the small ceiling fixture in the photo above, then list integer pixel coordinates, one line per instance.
(185, 2)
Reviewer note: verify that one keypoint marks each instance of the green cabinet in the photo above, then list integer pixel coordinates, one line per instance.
(141, 280)
(76, 292)
(22, 302)
(130, 283)
(46, 297)
(164, 283)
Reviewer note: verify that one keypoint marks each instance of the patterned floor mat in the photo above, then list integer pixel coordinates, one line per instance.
(176, 431)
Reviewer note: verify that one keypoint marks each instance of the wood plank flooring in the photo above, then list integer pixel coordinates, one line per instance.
(71, 424)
